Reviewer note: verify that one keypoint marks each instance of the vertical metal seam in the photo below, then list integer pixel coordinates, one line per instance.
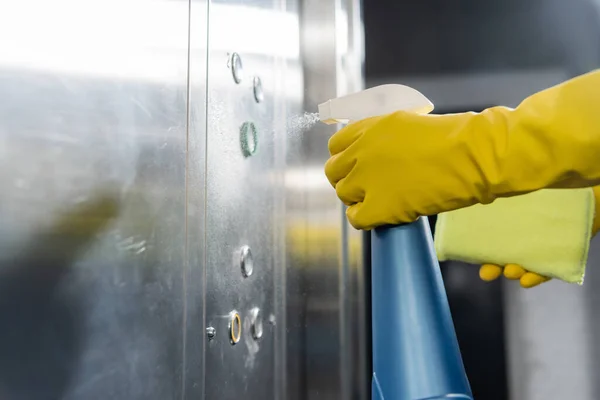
(279, 232)
(357, 45)
(205, 172)
(343, 272)
(186, 261)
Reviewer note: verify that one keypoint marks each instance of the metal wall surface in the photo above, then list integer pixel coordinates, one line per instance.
(195, 280)
(326, 290)
(306, 282)
(244, 190)
(129, 188)
(99, 297)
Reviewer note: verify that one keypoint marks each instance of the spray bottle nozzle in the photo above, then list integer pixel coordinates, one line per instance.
(379, 100)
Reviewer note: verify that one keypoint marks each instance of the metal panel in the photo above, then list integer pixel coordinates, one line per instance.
(355, 299)
(277, 201)
(195, 278)
(244, 190)
(326, 344)
(123, 176)
(325, 372)
(97, 298)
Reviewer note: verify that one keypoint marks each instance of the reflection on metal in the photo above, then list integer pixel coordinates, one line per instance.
(246, 261)
(259, 95)
(237, 68)
(256, 321)
(235, 327)
(243, 205)
(331, 299)
(124, 198)
(102, 293)
(211, 332)
(248, 138)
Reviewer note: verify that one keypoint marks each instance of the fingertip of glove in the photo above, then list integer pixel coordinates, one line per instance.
(531, 279)
(356, 217)
(327, 169)
(340, 140)
(489, 272)
(351, 214)
(331, 145)
(335, 169)
(513, 271)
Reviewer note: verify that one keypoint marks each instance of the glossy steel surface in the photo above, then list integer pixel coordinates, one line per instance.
(326, 342)
(100, 293)
(243, 190)
(127, 194)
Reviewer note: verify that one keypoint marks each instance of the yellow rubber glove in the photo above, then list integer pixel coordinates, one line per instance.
(394, 168)
(490, 272)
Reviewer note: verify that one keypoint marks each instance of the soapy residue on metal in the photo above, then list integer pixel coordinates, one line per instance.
(301, 123)
(251, 345)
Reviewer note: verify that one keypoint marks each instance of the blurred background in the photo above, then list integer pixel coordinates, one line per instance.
(467, 56)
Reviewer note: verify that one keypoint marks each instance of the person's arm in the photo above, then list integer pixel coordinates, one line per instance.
(395, 168)
(551, 140)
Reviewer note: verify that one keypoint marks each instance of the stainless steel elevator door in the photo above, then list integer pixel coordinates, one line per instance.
(93, 262)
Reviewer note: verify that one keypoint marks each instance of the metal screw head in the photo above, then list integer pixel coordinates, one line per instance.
(237, 68)
(258, 89)
(257, 323)
(211, 332)
(246, 261)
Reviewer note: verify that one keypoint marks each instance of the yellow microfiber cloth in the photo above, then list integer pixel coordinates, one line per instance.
(547, 232)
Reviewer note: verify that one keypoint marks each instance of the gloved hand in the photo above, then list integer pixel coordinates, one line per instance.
(394, 168)
(490, 272)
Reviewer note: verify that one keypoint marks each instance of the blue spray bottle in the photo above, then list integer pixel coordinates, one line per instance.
(415, 350)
